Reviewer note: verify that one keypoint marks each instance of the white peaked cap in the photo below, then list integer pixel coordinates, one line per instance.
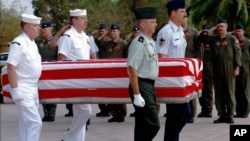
(78, 12)
(27, 18)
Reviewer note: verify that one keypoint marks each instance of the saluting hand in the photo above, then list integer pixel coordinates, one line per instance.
(236, 71)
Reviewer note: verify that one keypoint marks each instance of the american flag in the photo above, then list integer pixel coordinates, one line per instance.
(106, 81)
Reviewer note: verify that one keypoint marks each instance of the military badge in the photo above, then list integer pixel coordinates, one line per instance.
(224, 43)
(162, 42)
(117, 48)
(41, 44)
(218, 43)
(141, 39)
(110, 49)
(207, 46)
(242, 45)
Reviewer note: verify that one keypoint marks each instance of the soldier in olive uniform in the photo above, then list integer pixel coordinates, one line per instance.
(115, 48)
(191, 35)
(204, 53)
(47, 53)
(100, 40)
(242, 91)
(227, 61)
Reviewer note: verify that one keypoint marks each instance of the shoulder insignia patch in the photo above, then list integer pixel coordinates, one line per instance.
(65, 35)
(16, 43)
(141, 39)
(162, 42)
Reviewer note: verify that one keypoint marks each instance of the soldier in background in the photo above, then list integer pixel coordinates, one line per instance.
(204, 53)
(135, 31)
(242, 91)
(100, 40)
(48, 53)
(226, 56)
(191, 35)
(115, 48)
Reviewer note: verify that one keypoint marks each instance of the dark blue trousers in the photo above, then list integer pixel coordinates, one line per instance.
(177, 117)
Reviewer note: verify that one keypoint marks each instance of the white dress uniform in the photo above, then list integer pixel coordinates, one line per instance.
(24, 56)
(171, 41)
(76, 46)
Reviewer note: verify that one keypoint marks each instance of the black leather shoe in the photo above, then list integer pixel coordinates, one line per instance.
(165, 115)
(132, 114)
(69, 114)
(48, 119)
(103, 114)
(241, 116)
(113, 119)
(230, 120)
(244, 115)
(206, 115)
(191, 120)
(237, 116)
(221, 119)
(120, 119)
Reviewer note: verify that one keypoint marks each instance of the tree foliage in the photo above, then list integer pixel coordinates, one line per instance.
(121, 12)
(98, 11)
(9, 23)
(208, 12)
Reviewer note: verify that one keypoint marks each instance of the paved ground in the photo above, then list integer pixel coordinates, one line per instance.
(100, 130)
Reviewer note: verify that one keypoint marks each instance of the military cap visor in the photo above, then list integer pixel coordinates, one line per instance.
(145, 13)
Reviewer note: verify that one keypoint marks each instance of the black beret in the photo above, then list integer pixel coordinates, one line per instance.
(221, 20)
(145, 13)
(115, 26)
(175, 4)
(46, 24)
(205, 27)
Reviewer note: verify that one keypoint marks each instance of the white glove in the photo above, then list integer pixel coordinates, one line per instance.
(16, 95)
(138, 100)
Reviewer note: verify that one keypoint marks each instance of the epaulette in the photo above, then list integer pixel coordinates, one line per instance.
(65, 35)
(141, 39)
(15, 43)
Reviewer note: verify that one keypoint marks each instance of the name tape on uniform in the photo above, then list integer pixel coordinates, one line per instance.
(239, 132)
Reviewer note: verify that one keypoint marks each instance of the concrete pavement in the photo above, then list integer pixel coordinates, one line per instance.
(202, 129)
